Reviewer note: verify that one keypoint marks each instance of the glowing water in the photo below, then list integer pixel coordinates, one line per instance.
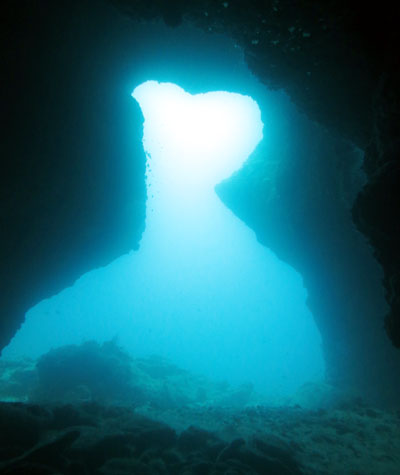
(201, 290)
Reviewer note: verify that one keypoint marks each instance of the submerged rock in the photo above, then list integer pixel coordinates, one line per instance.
(105, 373)
(88, 372)
(124, 443)
(97, 439)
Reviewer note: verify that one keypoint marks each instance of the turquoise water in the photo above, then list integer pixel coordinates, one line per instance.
(201, 291)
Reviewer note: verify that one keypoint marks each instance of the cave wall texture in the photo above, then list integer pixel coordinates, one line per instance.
(72, 182)
(67, 202)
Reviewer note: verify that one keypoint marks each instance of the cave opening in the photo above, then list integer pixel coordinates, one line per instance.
(201, 291)
(240, 310)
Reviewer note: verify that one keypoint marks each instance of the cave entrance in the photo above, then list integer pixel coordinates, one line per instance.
(223, 304)
(201, 291)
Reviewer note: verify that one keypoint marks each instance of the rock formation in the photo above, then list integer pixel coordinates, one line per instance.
(72, 182)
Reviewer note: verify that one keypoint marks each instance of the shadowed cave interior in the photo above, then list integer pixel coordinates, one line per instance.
(95, 231)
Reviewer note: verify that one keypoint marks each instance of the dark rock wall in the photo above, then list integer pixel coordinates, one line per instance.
(339, 63)
(72, 179)
(377, 208)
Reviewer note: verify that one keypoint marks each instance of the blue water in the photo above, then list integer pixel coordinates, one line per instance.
(201, 290)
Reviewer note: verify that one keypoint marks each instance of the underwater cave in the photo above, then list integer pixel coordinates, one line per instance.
(199, 251)
(200, 291)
